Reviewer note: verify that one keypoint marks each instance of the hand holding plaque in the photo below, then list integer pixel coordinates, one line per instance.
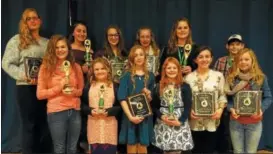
(67, 89)
(139, 106)
(88, 55)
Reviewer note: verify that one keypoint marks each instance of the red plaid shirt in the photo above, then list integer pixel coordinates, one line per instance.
(221, 65)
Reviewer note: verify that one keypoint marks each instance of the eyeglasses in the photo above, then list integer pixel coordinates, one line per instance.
(32, 18)
(113, 35)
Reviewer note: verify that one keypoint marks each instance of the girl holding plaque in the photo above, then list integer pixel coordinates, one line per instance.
(246, 75)
(179, 134)
(181, 46)
(103, 106)
(114, 51)
(29, 46)
(136, 131)
(146, 39)
(60, 81)
(209, 100)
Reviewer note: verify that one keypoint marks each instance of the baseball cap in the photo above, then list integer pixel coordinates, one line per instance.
(235, 37)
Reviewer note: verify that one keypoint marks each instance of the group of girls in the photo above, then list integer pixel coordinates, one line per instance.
(185, 70)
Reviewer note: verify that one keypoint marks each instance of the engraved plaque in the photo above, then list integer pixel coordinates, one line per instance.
(204, 103)
(32, 67)
(139, 106)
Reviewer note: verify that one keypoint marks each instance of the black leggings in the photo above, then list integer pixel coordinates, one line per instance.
(204, 141)
(35, 133)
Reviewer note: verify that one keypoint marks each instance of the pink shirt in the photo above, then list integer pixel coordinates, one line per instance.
(49, 87)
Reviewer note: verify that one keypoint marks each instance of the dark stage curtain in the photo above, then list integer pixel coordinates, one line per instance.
(213, 21)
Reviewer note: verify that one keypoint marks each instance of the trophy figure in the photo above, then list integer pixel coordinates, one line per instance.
(67, 89)
(169, 95)
(187, 50)
(101, 100)
(88, 55)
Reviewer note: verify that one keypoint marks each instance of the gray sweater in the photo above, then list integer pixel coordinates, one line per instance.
(13, 59)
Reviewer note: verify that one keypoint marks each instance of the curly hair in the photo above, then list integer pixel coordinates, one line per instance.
(50, 58)
(152, 43)
(173, 40)
(106, 65)
(164, 79)
(132, 66)
(255, 70)
(120, 45)
(25, 36)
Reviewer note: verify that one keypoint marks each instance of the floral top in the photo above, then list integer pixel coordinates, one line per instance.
(213, 83)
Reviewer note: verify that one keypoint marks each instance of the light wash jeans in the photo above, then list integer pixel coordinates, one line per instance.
(65, 127)
(245, 137)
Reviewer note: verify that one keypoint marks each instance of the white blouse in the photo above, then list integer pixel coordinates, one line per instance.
(213, 83)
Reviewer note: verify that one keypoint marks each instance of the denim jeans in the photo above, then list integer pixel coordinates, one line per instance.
(245, 137)
(65, 127)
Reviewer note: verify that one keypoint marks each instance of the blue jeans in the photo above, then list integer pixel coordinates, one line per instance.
(65, 127)
(245, 137)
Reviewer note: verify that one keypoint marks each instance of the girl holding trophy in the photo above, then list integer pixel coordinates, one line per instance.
(248, 90)
(136, 131)
(103, 106)
(173, 110)
(60, 81)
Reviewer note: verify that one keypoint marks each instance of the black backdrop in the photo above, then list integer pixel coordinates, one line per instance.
(213, 21)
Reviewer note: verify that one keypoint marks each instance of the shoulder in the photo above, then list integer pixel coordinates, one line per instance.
(221, 59)
(77, 66)
(126, 75)
(185, 86)
(14, 38)
(190, 75)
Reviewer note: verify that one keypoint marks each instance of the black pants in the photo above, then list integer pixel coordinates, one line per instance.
(224, 144)
(204, 141)
(35, 133)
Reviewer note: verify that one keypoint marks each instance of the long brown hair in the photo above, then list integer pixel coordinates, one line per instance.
(50, 58)
(132, 66)
(153, 42)
(255, 71)
(173, 40)
(120, 45)
(25, 36)
(105, 64)
(164, 79)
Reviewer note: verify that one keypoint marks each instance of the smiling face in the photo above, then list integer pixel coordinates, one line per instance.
(139, 55)
(204, 59)
(100, 71)
(113, 36)
(234, 47)
(182, 30)
(171, 70)
(245, 62)
(145, 37)
(80, 33)
(33, 21)
(61, 50)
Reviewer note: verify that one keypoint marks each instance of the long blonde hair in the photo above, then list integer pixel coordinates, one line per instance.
(173, 40)
(132, 66)
(25, 36)
(153, 43)
(255, 71)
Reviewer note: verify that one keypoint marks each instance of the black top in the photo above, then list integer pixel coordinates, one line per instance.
(186, 96)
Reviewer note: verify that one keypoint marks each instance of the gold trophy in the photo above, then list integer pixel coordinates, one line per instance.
(88, 54)
(187, 51)
(67, 89)
(169, 95)
(101, 100)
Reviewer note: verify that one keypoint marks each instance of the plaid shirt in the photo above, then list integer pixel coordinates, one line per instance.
(221, 65)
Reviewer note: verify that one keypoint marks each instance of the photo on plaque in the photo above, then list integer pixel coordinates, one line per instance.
(139, 106)
(117, 70)
(32, 67)
(204, 103)
(151, 63)
(247, 102)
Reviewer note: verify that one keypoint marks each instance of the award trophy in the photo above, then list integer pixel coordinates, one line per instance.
(67, 89)
(101, 100)
(187, 50)
(169, 96)
(88, 55)
(32, 67)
